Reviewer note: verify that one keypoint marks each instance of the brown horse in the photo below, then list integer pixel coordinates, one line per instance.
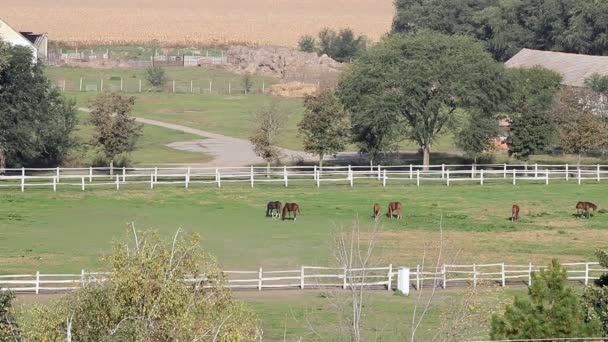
(290, 208)
(514, 213)
(376, 211)
(273, 209)
(394, 207)
(584, 207)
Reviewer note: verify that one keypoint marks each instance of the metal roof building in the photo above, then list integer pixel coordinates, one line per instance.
(37, 42)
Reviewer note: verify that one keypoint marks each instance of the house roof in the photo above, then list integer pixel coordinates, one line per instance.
(574, 68)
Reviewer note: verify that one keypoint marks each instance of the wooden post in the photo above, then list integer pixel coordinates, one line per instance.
(389, 285)
(448, 178)
(117, 182)
(344, 276)
(504, 279)
(418, 177)
(474, 276)
(37, 282)
(514, 178)
(579, 176)
(81, 84)
(121, 88)
(445, 278)
(151, 181)
(124, 174)
(218, 178)
(504, 168)
(535, 170)
(442, 171)
(481, 177)
(263, 87)
(260, 280)
(598, 173)
(417, 277)
(285, 178)
(173, 86)
(472, 170)
(156, 174)
(22, 179)
(191, 87)
(567, 173)
(302, 277)
(210, 86)
(54, 184)
(188, 177)
(229, 88)
(58, 174)
(379, 172)
(251, 177)
(82, 183)
(82, 277)
(411, 171)
(384, 178)
(529, 274)
(526, 168)
(546, 176)
(350, 176)
(90, 174)
(586, 273)
(101, 85)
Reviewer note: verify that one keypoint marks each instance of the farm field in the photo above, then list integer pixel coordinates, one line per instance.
(189, 22)
(70, 230)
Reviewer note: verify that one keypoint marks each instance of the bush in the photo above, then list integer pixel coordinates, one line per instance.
(156, 77)
(307, 43)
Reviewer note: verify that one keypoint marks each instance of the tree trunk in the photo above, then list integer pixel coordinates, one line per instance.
(426, 157)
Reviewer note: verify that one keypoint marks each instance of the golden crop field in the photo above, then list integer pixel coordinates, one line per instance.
(277, 22)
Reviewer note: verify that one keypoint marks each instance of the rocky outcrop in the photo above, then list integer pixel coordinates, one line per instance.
(285, 64)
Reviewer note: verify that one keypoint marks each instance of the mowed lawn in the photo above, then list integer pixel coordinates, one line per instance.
(70, 230)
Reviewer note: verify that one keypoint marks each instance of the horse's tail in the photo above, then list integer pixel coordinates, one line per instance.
(284, 212)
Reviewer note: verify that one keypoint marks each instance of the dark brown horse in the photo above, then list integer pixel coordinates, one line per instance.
(584, 208)
(514, 213)
(273, 209)
(376, 211)
(394, 207)
(289, 209)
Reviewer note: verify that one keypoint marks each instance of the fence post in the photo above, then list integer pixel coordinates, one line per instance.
(173, 86)
(350, 176)
(82, 277)
(151, 181)
(210, 86)
(80, 84)
(218, 178)
(101, 85)
(156, 174)
(481, 177)
(54, 184)
(417, 177)
(448, 177)
(302, 277)
(445, 277)
(251, 179)
(260, 280)
(504, 170)
(263, 87)
(37, 282)
(502, 271)
(344, 283)
(57, 173)
(121, 89)
(117, 182)
(82, 183)
(547, 177)
(188, 177)
(474, 276)
(229, 88)
(473, 170)
(535, 170)
(598, 173)
(191, 87)
(390, 277)
(417, 277)
(526, 168)
(384, 178)
(379, 172)
(403, 280)
(586, 273)
(530, 274)
(514, 179)
(285, 176)
(22, 179)
(567, 173)
(318, 173)
(90, 174)
(442, 171)
(140, 86)
(124, 174)
(579, 176)
(411, 171)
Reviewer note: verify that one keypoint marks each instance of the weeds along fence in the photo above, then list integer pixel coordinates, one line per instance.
(119, 178)
(313, 277)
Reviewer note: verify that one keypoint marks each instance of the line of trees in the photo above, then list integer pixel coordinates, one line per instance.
(342, 46)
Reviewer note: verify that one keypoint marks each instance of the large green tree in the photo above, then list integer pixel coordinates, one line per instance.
(420, 80)
(532, 129)
(595, 298)
(325, 126)
(551, 310)
(36, 122)
(507, 26)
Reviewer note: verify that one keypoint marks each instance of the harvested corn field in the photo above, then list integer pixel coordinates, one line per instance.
(191, 22)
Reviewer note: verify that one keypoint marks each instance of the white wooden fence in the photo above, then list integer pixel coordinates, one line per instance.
(313, 277)
(84, 178)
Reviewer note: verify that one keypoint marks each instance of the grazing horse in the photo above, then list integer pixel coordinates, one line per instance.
(394, 207)
(376, 211)
(290, 208)
(514, 213)
(273, 209)
(584, 207)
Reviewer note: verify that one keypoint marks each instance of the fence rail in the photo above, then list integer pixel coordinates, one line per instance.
(315, 277)
(86, 178)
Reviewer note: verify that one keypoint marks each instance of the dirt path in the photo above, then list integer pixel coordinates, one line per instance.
(226, 151)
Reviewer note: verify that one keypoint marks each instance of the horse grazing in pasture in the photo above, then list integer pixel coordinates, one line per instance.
(584, 208)
(514, 213)
(376, 211)
(273, 209)
(289, 209)
(394, 207)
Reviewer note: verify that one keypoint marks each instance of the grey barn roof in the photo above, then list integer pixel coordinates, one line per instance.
(574, 68)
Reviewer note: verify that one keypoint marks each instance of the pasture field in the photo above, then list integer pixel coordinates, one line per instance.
(70, 230)
(190, 22)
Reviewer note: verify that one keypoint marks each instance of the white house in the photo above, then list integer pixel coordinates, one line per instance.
(37, 42)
